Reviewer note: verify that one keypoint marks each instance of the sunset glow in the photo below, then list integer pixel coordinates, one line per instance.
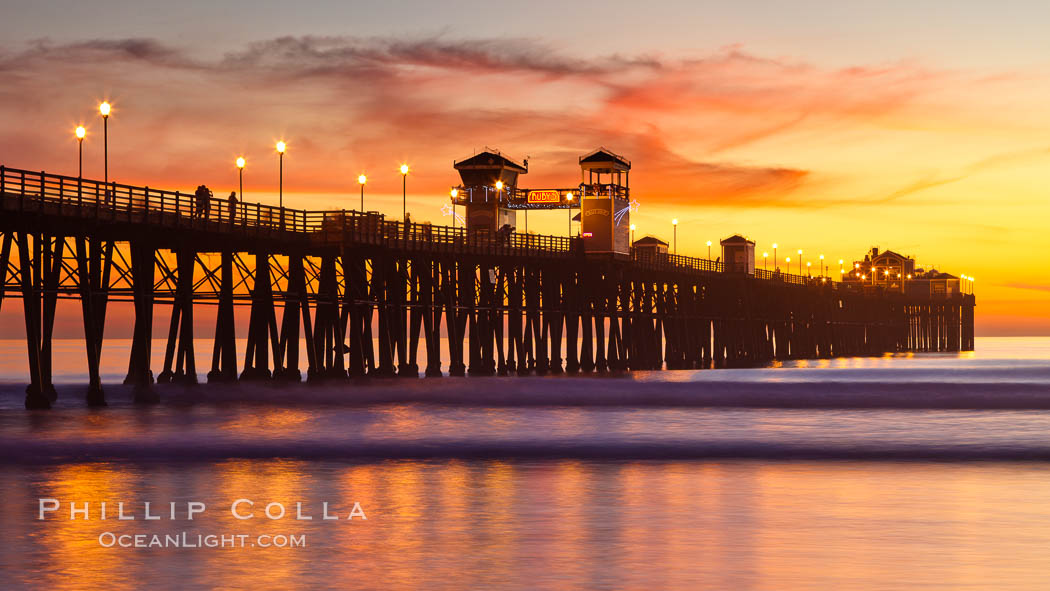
(916, 150)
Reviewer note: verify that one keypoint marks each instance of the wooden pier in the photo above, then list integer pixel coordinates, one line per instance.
(362, 291)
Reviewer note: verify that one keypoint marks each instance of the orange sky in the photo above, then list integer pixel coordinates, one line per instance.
(944, 163)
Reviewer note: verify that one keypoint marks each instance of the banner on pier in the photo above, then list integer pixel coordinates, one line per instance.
(545, 196)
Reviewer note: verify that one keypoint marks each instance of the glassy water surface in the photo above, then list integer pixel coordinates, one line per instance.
(918, 471)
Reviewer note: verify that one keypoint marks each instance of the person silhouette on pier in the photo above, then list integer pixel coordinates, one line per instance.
(231, 205)
(198, 201)
(202, 197)
(207, 202)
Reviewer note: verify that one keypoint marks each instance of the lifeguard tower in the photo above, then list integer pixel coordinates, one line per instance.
(490, 183)
(605, 209)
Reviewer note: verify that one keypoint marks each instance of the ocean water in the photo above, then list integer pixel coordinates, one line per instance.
(925, 471)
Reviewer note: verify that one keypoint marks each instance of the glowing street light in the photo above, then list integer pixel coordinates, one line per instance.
(632, 235)
(281, 146)
(240, 176)
(568, 198)
(808, 265)
(674, 224)
(821, 265)
(765, 259)
(800, 261)
(708, 250)
(80, 133)
(361, 180)
(104, 109)
(774, 256)
(453, 194)
(404, 192)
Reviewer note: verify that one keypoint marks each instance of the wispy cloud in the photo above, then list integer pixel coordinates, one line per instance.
(345, 104)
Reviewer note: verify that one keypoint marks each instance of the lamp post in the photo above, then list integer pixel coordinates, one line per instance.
(632, 235)
(765, 259)
(568, 198)
(404, 192)
(708, 250)
(821, 265)
(361, 180)
(240, 177)
(80, 133)
(808, 272)
(280, 174)
(674, 225)
(104, 109)
(280, 179)
(453, 193)
(800, 261)
(774, 256)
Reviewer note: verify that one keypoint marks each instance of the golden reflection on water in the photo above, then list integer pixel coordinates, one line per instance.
(551, 525)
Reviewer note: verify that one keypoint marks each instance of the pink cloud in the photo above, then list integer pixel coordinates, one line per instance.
(346, 105)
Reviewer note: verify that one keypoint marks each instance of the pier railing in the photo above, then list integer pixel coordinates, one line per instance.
(41, 192)
(90, 199)
(677, 262)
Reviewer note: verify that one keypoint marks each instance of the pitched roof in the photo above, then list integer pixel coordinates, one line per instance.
(736, 239)
(891, 253)
(603, 155)
(489, 158)
(646, 240)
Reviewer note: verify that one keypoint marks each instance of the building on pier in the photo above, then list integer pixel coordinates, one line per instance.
(490, 181)
(650, 247)
(738, 255)
(895, 272)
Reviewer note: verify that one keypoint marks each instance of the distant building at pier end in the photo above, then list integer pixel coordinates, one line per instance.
(893, 271)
